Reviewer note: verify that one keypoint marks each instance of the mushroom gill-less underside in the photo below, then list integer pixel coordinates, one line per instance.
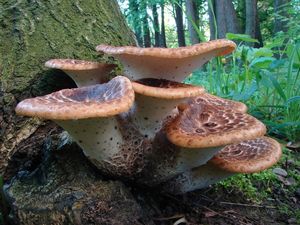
(84, 73)
(166, 63)
(156, 100)
(245, 157)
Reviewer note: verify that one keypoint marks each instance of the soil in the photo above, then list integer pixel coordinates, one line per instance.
(212, 206)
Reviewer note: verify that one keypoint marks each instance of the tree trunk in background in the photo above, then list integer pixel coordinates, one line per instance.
(241, 13)
(252, 27)
(232, 23)
(156, 26)
(212, 22)
(145, 22)
(193, 20)
(221, 18)
(163, 42)
(33, 32)
(135, 17)
(179, 23)
(280, 9)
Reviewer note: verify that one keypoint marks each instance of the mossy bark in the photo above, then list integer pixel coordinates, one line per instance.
(32, 32)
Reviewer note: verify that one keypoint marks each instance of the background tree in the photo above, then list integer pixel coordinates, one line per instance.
(281, 15)
(177, 6)
(155, 24)
(192, 13)
(145, 23)
(134, 18)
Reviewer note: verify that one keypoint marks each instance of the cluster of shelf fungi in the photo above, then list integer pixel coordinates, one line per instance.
(148, 126)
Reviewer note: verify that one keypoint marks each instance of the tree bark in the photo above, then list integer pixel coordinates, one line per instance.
(252, 21)
(232, 23)
(135, 19)
(35, 31)
(193, 20)
(212, 19)
(156, 26)
(221, 18)
(163, 42)
(145, 22)
(281, 12)
(179, 23)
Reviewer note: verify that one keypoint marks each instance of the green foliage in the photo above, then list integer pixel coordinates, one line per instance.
(268, 85)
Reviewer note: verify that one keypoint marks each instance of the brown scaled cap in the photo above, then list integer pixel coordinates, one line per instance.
(219, 102)
(76, 64)
(166, 63)
(223, 47)
(161, 88)
(201, 126)
(248, 156)
(101, 100)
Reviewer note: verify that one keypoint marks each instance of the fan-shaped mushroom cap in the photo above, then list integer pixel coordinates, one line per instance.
(84, 73)
(171, 64)
(103, 100)
(248, 156)
(155, 100)
(209, 99)
(201, 126)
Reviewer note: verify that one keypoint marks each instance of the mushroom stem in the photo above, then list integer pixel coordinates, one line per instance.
(100, 138)
(84, 73)
(168, 160)
(149, 113)
(194, 179)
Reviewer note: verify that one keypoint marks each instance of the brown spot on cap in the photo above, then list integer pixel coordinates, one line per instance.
(75, 64)
(161, 88)
(206, 98)
(101, 100)
(166, 63)
(201, 126)
(248, 156)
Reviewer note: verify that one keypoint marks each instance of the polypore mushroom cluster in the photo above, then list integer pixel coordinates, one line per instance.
(150, 127)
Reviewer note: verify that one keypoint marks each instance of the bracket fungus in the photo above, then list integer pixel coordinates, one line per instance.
(196, 134)
(88, 114)
(84, 73)
(164, 63)
(173, 134)
(249, 156)
(155, 101)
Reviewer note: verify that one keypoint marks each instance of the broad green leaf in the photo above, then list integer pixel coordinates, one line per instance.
(240, 37)
(263, 52)
(262, 62)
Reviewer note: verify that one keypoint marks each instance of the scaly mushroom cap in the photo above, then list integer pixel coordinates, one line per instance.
(171, 64)
(165, 89)
(201, 126)
(103, 100)
(221, 102)
(248, 156)
(83, 72)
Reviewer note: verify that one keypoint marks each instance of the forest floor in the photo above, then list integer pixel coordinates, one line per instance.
(270, 197)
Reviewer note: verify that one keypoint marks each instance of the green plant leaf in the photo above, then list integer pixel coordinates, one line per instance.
(277, 87)
(240, 37)
(262, 62)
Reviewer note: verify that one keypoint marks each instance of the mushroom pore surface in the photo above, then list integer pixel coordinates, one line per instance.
(171, 64)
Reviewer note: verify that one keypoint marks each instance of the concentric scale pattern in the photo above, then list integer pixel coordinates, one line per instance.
(248, 156)
(203, 125)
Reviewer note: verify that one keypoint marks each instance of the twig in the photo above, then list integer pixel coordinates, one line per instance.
(247, 205)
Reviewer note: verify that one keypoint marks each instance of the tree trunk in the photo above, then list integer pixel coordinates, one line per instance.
(212, 19)
(135, 20)
(281, 13)
(232, 23)
(145, 22)
(221, 18)
(163, 42)
(193, 20)
(156, 26)
(179, 23)
(35, 31)
(252, 21)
